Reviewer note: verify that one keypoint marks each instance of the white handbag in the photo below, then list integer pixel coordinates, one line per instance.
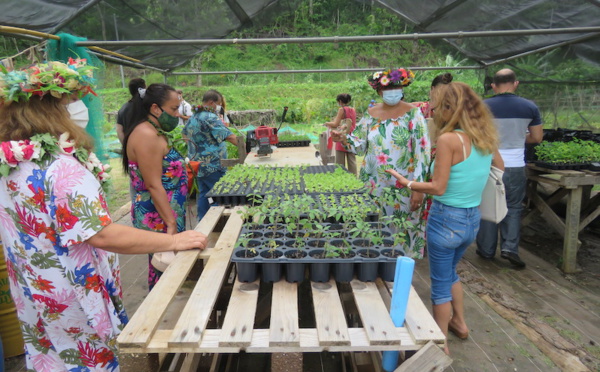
(493, 199)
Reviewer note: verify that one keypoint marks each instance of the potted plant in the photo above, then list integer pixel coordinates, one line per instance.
(246, 271)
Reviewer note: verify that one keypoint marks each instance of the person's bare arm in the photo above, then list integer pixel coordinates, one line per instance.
(232, 138)
(129, 240)
(535, 135)
(338, 119)
(497, 160)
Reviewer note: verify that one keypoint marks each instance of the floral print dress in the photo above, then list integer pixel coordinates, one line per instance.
(401, 144)
(143, 212)
(67, 293)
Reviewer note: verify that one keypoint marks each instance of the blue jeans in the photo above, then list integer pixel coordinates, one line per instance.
(515, 182)
(206, 183)
(450, 231)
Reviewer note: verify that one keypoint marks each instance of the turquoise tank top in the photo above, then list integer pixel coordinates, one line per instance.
(467, 180)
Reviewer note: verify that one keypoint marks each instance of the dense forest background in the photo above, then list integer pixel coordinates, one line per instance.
(311, 97)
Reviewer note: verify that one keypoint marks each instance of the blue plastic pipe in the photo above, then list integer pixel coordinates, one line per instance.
(402, 281)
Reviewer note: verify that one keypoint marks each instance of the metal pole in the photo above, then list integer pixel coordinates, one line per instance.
(343, 39)
(120, 66)
(476, 67)
(543, 49)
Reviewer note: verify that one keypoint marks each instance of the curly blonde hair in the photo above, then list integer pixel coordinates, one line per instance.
(48, 114)
(457, 106)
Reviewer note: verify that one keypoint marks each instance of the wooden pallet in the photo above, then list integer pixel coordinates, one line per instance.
(146, 332)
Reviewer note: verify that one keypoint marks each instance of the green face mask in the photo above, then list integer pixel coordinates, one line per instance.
(167, 121)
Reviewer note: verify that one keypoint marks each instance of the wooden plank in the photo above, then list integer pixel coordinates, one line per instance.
(418, 321)
(590, 210)
(239, 319)
(194, 317)
(546, 178)
(430, 358)
(572, 173)
(589, 218)
(571, 231)
(309, 342)
(548, 214)
(144, 322)
(329, 314)
(190, 363)
(284, 330)
(375, 317)
(210, 220)
(420, 324)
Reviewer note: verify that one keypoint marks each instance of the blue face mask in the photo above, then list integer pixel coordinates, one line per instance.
(392, 97)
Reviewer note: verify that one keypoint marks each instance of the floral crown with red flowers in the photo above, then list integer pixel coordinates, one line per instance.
(391, 78)
(55, 78)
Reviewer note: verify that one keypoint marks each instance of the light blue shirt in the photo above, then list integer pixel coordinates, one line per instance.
(467, 180)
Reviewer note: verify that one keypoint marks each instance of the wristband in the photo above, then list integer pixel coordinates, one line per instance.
(410, 183)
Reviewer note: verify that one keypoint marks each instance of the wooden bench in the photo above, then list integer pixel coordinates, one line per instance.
(581, 208)
(146, 332)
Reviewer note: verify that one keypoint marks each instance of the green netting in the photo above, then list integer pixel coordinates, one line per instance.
(61, 50)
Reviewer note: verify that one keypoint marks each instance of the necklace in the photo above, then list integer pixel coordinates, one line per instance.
(41, 147)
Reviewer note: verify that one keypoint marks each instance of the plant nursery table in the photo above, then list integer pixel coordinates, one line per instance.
(581, 208)
(286, 156)
(191, 335)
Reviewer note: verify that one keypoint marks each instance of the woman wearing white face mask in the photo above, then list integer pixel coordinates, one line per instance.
(393, 135)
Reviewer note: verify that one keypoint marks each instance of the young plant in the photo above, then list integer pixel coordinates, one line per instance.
(244, 242)
(272, 245)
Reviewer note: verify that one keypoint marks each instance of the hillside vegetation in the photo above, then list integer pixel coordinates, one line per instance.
(311, 97)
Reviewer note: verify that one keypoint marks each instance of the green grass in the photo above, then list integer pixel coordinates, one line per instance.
(118, 194)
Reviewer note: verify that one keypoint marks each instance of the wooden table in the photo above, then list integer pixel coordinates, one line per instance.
(581, 209)
(286, 156)
(145, 333)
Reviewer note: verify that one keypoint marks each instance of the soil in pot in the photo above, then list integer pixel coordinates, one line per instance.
(273, 234)
(362, 243)
(254, 235)
(316, 243)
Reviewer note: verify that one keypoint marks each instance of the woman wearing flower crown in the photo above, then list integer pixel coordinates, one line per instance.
(157, 171)
(59, 241)
(393, 134)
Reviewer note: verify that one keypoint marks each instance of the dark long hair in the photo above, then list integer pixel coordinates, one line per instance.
(156, 93)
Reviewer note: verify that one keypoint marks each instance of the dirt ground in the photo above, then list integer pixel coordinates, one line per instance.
(546, 243)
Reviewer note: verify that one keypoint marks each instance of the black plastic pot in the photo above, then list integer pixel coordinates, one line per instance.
(254, 235)
(367, 270)
(343, 271)
(387, 267)
(271, 272)
(294, 272)
(246, 271)
(319, 271)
